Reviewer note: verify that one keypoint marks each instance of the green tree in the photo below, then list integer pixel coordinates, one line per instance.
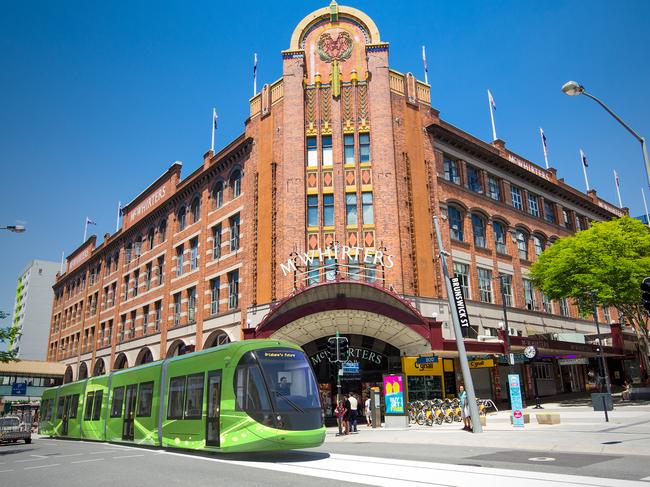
(7, 334)
(610, 260)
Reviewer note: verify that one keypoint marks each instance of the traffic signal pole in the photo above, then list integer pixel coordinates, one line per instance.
(460, 344)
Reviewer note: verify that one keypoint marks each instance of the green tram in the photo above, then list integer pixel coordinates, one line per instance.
(250, 395)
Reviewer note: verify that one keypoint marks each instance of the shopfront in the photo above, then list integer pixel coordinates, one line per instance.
(429, 380)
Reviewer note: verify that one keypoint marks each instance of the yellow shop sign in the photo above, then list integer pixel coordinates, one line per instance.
(481, 364)
(410, 367)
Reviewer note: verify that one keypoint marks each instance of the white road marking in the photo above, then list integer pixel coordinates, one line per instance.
(29, 460)
(69, 455)
(10, 470)
(646, 479)
(90, 460)
(43, 466)
(99, 452)
(542, 459)
(128, 456)
(38, 456)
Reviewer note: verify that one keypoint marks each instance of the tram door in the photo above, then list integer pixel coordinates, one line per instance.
(66, 415)
(214, 400)
(128, 428)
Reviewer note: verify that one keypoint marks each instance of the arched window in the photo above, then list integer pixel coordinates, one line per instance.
(455, 223)
(195, 209)
(539, 245)
(235, 183)
(162, 231)
(500, 237)
(478, 230)
(217, 194)
(181, 218)
(522, 244)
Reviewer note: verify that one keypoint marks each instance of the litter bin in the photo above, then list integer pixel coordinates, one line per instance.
(602, 400)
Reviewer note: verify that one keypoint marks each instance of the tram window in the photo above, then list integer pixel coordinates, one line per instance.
(88, 413)
(118, 399)
(74, 405)
(175, 400)
(145, 396)
(97, 408)
(251, 393)
(59, 409)
(194, 396)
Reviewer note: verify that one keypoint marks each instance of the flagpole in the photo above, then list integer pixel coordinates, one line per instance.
(645, 205)
(494, 130)
(214, 116)
(584, 168)
(85, 229)
(618, 190)
(119, 210)
(541, 133)
(426, 70)
(254, 74)
(62, 260)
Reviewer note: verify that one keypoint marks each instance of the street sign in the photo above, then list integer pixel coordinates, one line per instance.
(427, 360)
(515, 400)
(518, 358)
(459, 302)
(350, 367)
(19, 388)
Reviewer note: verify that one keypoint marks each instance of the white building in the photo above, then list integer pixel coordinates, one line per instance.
(32, 309)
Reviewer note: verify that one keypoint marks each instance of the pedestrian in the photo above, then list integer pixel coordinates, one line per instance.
(464, 408)
(347, 414)
(368, 417)
(354, 413)
(341, 413)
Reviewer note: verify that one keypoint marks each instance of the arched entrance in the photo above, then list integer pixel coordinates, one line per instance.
(144, 357)
(100, 367)
(83, 371)
(216, 338)
(68, 375)
(177, 347)
(121, 362)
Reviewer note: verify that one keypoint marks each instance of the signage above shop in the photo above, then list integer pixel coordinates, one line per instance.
(573, 361)
(481, 364)
(426, 360)
(518, 358)
(339, 253)
(350, 367)
(82, 254)
(410, 366)
(360, 354)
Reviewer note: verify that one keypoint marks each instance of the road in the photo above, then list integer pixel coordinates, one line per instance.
(75, 463)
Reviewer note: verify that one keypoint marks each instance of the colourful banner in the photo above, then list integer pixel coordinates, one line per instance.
(515, 400)
(394, 394)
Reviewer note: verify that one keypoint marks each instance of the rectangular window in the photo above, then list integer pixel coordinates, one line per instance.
(455, 223)
(177, 309)
(126, 287)
(451, 169)
(529, 294)
(565, 218)
(485, 285)
(158, 309)
(161, 270)
(132, 330)
(494, 191)
(474, 182)
(516, 197)
(74, 405)
(328, 210)
(136, 284)
(216, 241)
(549, 214)
(116, 404)
(175, 398)
(313, 274)
(351, 209)
(233, 289)
(122, 327)
(145, 399)
(348, 148)
(180, 250)
(312, 210)
(214, 295)
(145, 319)
(370, 272)
(533, 204)
(546, 303)
(354, 271)
(505, 281)
(147, 276)
(564, 307)
(191, 304)
(327, 150)
(194, 253)
(367, 208)
(234, 232)
(194, 396)
(88, 413)
(461, 271)
(312, 153)
(97, 406)
(364, 147)
(59, 408)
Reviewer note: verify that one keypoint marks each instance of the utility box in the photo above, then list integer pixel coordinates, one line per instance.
(375, 407)
(602, 400)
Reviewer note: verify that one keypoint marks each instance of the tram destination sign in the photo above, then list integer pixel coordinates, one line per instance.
(459, 301)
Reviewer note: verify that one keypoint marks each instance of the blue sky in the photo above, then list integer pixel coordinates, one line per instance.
(99, 98)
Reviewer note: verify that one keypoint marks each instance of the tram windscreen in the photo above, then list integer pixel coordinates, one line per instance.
(290, 379)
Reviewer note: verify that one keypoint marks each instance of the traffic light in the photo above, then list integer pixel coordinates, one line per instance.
(645, 293)
(343, 349)
(331, 349)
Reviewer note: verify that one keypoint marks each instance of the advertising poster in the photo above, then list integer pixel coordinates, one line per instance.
(515, 399)
(394, 394)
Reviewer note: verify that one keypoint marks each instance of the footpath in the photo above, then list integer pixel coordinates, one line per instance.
(581, 430)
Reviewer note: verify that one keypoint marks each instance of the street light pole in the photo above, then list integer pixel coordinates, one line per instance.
(506, 328)
(460, 344)
(573, 88)
(603, 365)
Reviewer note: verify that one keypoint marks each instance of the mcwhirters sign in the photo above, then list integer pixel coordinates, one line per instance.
(322, 256)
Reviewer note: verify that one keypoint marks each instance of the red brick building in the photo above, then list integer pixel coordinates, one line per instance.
(318, 219)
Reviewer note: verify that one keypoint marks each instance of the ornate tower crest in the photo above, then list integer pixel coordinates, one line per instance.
(335, 49)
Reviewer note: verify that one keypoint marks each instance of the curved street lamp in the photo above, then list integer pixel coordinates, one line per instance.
(573, 88)
(14, 228)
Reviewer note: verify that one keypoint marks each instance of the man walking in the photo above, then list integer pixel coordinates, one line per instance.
(354, 404)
